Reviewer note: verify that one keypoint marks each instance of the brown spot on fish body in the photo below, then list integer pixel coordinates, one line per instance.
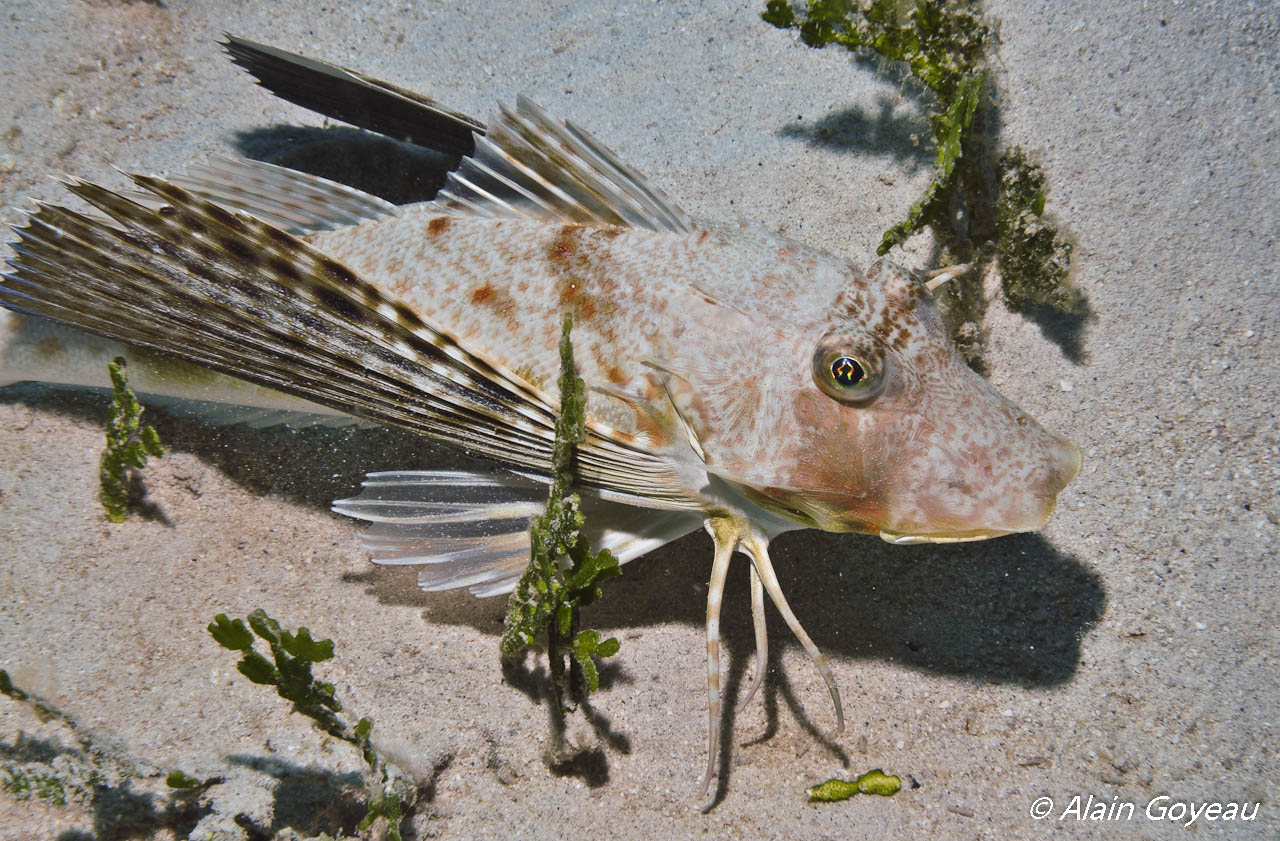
(565, 244)
(901, 340)
(438, 225)
(498, 301)
(615, 375)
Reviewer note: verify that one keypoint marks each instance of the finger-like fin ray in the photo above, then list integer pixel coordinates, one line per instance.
(732, 533)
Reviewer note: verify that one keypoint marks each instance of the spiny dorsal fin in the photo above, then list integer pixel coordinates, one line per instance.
(528, 165)
(524, 164)
(355, 98)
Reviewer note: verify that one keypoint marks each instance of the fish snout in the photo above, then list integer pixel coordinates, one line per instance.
(1064, 462)
(1009, 484)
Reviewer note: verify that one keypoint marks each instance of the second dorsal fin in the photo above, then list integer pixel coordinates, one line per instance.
(528, 165)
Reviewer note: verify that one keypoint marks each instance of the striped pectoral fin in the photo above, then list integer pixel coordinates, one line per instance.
(230, 292)
(243, 297)
(471, 529)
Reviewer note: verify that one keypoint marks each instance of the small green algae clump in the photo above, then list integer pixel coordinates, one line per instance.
(289, 671)
(1035, 259)
(976, 218)
(563, 573)
(179, 781)
(943, 42)
(128, 444)
(69, 776)
(872, 782)
(96, 773)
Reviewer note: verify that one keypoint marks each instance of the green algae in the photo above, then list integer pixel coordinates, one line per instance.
(390, 789)
(873, 782)
(563, 575)
(129, 442)
(984, 207)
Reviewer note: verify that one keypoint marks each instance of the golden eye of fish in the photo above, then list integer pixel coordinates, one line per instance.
(846, 372)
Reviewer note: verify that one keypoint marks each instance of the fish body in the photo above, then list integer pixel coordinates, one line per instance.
(698, 346)
(737, 380)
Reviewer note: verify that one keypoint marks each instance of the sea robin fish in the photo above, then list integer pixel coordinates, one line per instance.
(738, 381)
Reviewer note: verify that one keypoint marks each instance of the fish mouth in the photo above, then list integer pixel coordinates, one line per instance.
(907, 537)
(899, 538)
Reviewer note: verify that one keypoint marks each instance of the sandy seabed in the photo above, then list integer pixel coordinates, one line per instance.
(1126, 653)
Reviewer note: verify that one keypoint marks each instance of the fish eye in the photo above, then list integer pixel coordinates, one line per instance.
(846, 371)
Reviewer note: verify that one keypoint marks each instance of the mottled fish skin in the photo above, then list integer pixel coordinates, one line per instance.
(717, 329)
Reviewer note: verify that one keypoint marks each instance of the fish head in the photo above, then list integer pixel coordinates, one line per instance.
(875, 424)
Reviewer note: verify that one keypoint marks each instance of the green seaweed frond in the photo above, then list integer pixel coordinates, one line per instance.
(945, 46)
(71, 776)
(950, 130)
(289, 671)
(87, 773)
(129, 443)
(563, 573)
(66, 779)
(872, 782)
(944, 43)
(1035, 259)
